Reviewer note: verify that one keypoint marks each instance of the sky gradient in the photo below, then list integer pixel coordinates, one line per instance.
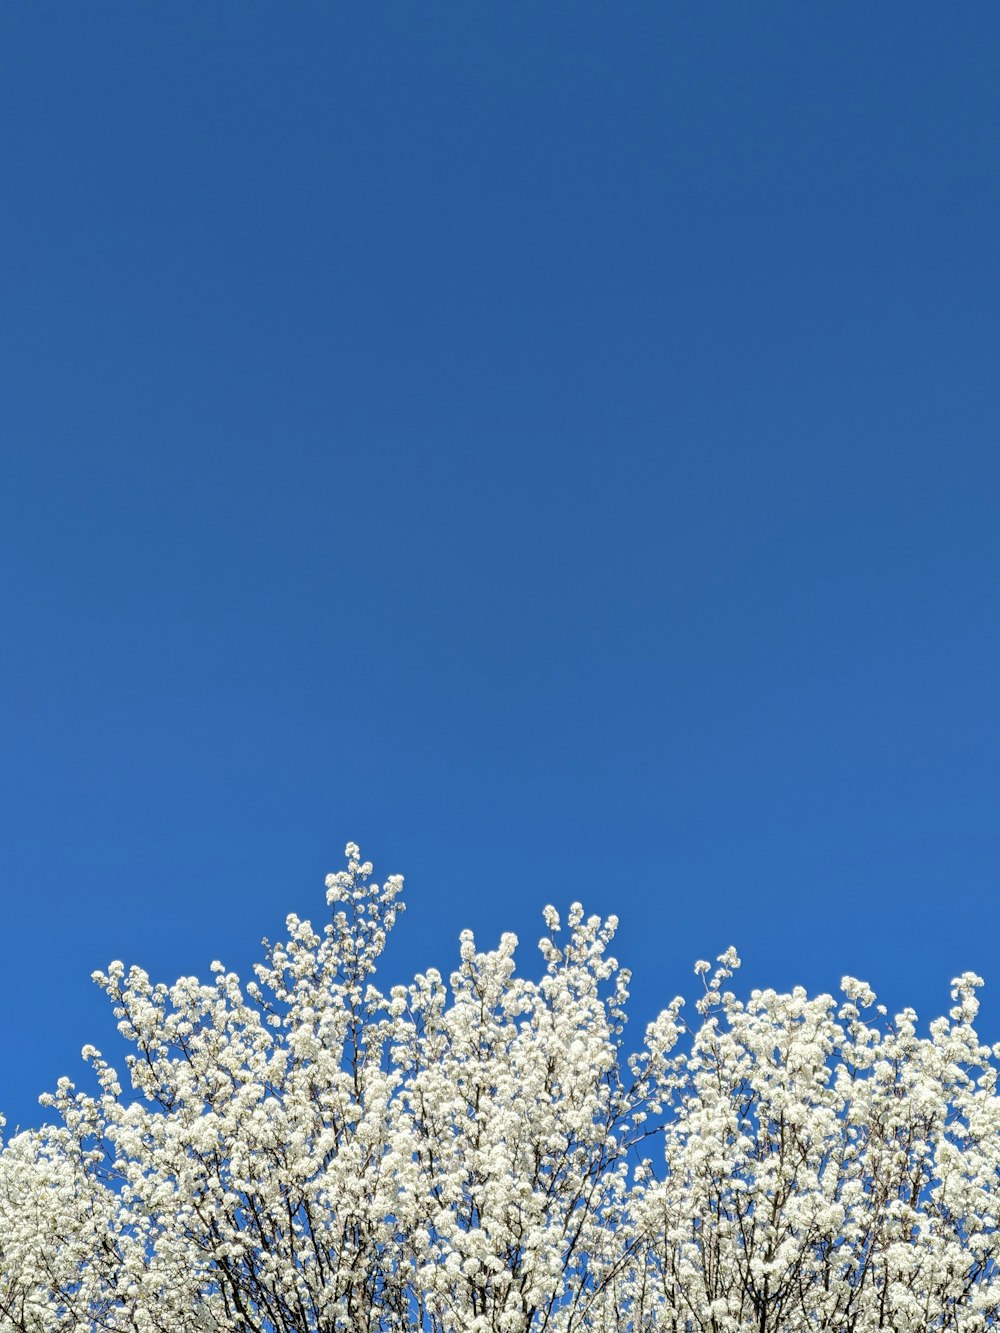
(555, 446)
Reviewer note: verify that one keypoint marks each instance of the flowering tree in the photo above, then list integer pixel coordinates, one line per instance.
(307, 1154)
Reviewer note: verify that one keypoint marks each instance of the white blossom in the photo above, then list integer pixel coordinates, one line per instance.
(301, 1153)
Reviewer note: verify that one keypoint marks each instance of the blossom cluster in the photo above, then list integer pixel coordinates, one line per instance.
(305, 1153)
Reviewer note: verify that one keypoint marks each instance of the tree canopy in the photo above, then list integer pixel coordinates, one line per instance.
(305, 1153)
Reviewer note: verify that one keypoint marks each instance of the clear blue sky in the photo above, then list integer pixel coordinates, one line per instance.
(555, 445)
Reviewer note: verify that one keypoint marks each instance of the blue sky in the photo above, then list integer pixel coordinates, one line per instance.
(553, 445)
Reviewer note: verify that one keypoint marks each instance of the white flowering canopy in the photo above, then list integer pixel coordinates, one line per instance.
(306, 1154)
